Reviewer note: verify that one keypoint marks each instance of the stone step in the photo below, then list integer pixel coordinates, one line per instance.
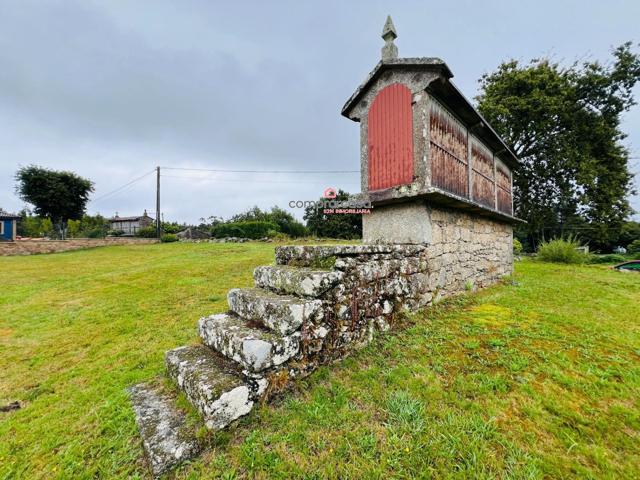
(167, 437)
(303, 282)
(212, 384)
(253, 348)
(281, 313)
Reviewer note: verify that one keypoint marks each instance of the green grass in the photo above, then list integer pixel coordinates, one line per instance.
(539, 377)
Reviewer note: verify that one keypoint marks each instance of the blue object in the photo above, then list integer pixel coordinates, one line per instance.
(7, 226)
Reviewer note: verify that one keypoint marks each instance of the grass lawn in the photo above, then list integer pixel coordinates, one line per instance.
(539, 377)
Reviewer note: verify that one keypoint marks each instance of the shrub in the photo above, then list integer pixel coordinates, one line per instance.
(286, 223)
(252, 229)
(561, 251)
(259, 229)
(294, 229)
(95, 233)
(281, 237)
(147, 232)
(172, 227)
(610, 258)
(227, 230)
(517, 247)
(115, 233)
(168, 238)
(634, 247)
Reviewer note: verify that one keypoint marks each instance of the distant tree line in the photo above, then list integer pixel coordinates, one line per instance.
(87, 226)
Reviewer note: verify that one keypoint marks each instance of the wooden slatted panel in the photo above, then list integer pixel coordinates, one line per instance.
(482, 175)
(448, 151)
(390, 138)
(503, 182)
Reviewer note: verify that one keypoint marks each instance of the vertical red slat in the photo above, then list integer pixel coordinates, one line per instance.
(390, 138)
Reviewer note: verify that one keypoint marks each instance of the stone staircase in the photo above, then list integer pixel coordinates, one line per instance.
(225, 376)
(316, 305)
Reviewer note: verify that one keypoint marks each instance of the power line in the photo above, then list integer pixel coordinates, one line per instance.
(123, 186)
(259, 171)
(316, 182)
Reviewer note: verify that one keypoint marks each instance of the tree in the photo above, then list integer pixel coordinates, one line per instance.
(333, 225)
(564, 124)
(286, 223)
(630, 232)
(57, 195)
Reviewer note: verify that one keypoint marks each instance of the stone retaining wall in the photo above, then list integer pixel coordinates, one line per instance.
(32, 247)
(373, 282)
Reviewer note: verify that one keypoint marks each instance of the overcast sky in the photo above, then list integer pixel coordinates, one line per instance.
(110, 89)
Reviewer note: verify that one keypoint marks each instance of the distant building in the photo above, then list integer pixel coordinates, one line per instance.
(131, 225)
(8, 225)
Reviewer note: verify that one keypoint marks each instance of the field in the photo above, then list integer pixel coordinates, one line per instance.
(537, 377)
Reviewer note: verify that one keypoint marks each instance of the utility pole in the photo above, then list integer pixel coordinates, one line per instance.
(158, 223)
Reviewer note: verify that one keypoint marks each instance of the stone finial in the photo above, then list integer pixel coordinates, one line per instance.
(389, 51)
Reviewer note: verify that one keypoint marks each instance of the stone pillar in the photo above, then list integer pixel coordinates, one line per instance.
(408, 222)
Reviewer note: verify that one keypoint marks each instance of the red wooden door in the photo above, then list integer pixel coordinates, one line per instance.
(390, 138)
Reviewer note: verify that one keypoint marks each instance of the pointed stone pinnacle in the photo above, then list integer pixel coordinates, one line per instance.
(389, 51)
(389, 30)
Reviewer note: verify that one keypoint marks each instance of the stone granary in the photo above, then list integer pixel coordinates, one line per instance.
(426, 152)
(440, 181)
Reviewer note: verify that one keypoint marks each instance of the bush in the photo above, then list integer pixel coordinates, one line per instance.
(96, 233)
(634, 247)
(147, 232)
(281, 237)
(168, 238)
(561, 251)
(294, 229)
(227, 230)
(286, 223)
(253, 230)
(172, 227)
(115, 233)
(517, 247)
(610, 258)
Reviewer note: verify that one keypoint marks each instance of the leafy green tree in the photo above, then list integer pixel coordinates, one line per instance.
(46, 227)
(57, 195)
(89, 226)
(171, 227)
(346, 226)
(564, 124)
(254, 229)
(73, 228)
(630, 232)
(144, 232)
(286, 222)
(634, 247)
(28, 225)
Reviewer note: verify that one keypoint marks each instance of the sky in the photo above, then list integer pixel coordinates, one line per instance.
(112, 89)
